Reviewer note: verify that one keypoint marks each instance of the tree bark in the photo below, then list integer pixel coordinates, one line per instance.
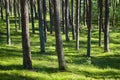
(77, 23)
(106, 29)
(41, 28)
(59, 45)
(27, 62)
(67, 20)
(72, 20)
(7, 22)
(89, 21)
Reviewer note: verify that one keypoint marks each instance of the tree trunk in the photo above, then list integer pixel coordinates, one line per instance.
(63, 16)
(7, 22)
(32, 16)
(89, 21)
(27, 62)
(19, 16)
(59, 45)
(51, 11)
(106, 29)
(77, 23)
(41, 28)
(100, 5)
(72, 20)
(67, 19)
(44, 18)
(15, 15)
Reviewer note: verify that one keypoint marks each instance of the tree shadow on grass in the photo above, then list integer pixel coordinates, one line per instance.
(9, 53)
(13, 76)
(102, 75)
(11, 67)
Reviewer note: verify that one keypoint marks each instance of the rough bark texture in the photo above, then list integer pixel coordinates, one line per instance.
(27, 63)
(59, 45)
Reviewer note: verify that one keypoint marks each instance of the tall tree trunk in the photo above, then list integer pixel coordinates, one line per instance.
(1, 9)
(15, 15)
(100, 5)
(89, 21)
(84, 12)
(51, 11)
(67, 19)
(72, 20)
(27, 62)
(19, 16)
(106, 29)
(59, 45)
(41, 28)
(32, 16)
(77, 23)
(63, 16)
(7, 22)
(44, 18)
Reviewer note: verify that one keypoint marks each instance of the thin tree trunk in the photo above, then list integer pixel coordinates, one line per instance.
(106, 29)
(19, 16)
(7, 22)
(67, 20)
(32, 16)
(63, 16)
(51, 11)
(72, 20)
(44, 18)
(89, 21)
(41, 28)
(15, 15)
(27, 62)
(100, 5)
(77, 23)
(59, 45)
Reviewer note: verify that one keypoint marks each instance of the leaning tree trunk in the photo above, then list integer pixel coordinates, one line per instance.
(27, 62)
(7, 22)
(59, 45)
(106, 29)
(89, 21)
(41, 28)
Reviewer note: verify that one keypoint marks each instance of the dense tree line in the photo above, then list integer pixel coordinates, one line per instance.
(75, 14)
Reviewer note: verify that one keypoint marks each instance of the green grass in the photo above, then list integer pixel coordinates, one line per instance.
(103, 66)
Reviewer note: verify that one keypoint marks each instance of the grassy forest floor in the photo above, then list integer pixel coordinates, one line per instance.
(100, 66)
